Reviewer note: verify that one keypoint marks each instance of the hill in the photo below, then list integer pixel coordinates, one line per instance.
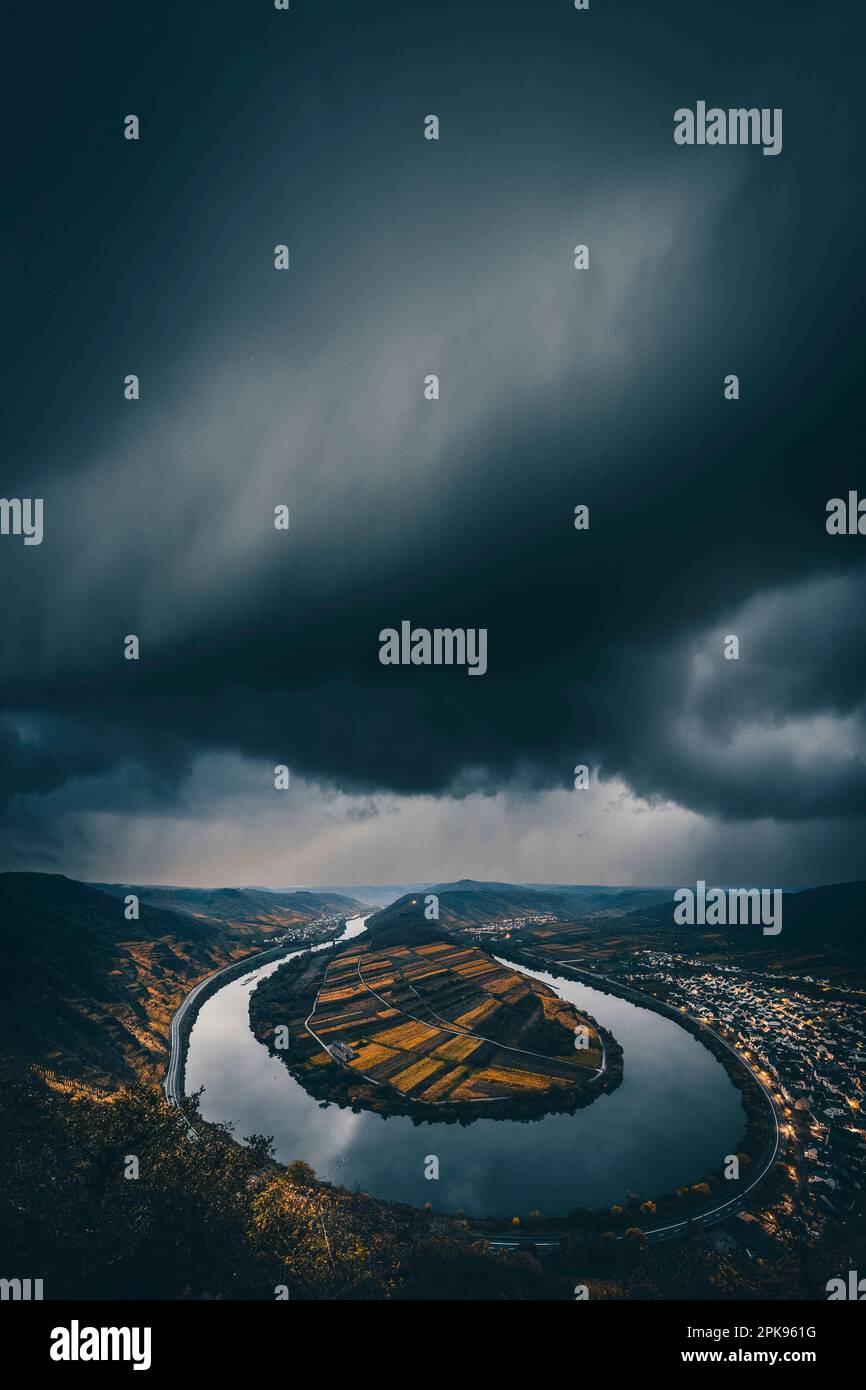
(257, 912)
(88, 992)
(469, 902)
(830, 916)
(373, 894)
(822, 928)
(822, 936)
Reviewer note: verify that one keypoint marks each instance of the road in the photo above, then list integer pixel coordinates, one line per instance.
(716, 1214)
(172, 1085)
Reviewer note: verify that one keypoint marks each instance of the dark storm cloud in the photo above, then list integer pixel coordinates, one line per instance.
(707, 517)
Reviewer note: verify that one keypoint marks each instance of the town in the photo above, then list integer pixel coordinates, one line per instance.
(318, 929)
(503, 929)
(804, 1038)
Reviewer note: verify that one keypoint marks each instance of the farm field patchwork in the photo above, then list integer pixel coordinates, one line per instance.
(443, 1021)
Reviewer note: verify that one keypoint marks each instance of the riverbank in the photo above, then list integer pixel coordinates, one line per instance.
(184, 1019)
(673, 1117)
(756, 1151)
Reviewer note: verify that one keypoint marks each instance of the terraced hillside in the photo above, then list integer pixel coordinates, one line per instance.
(87, 992)
(91, 994)
(426, 1020)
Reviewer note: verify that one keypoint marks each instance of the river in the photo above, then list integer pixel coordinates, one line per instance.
(675, 1116)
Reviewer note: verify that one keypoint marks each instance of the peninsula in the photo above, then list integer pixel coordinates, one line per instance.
(407, 1019)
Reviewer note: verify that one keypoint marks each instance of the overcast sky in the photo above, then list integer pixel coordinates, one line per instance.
(306, 387)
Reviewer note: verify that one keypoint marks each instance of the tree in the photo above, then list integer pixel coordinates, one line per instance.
(301, 1173)
(262, 1145)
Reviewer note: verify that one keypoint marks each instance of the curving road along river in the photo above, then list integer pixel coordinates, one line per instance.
(675, 1116)
(174, 1072)
(721, 1210)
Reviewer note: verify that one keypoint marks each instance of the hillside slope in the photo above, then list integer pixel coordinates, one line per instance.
(84, 990)
(833, 915)
(470, 902)
(257, 912)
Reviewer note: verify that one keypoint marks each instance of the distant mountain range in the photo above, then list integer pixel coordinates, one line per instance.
(267, 911)
(468, 901)
(374, 894)
(833, 916)
(828, 919)
(369, 894)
